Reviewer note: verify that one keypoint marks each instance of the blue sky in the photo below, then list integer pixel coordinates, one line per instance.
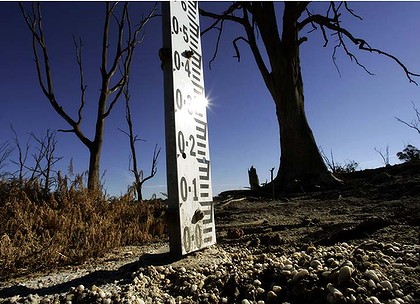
(350, 114)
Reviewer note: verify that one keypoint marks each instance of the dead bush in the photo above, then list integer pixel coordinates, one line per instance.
(68, 227)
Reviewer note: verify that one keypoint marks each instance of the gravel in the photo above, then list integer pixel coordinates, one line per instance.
(363, 272)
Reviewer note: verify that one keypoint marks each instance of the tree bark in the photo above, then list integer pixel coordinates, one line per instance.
(94, 165)
(300, 158)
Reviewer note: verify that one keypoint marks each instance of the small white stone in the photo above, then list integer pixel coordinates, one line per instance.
(326, 274)
(316, 264)
(260, 290)
(80, 288)
(107, 301)
(345, 274)
(300, 274)
(276, 289)
(373, 300)
(371, 274)
(194, 287)
(257, 282)
(386, 285)
(271, 295)
(331, 287)
(371, 283)
(101, 294)
(353, 298)
(245, 301)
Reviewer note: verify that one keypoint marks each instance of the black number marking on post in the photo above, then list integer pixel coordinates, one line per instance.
(192, 152)
(178, 99)
(185, 32)
(181, 144)
(177, 60)
(184, 189)
(187, 68)
(187, 239)
(194, 182)
(175, 25)
(198, 236)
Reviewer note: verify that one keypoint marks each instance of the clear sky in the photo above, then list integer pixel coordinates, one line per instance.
(350, 114)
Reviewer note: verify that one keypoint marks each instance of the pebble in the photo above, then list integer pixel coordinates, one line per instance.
(276, 289)
(271, 296)
(345, 274)
(373, 300)
(267, 277)
(371, 274)
(300, 274)
(386, 285)
(316, 264)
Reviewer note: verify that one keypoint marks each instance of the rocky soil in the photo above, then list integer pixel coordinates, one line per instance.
(358, 244)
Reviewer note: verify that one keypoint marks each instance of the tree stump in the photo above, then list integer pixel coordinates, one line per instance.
(253, 179)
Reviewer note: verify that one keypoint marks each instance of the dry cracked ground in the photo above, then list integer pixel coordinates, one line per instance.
(358, 244)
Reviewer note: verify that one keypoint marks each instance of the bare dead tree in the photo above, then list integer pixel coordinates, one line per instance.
(280, 69)
(5, 151)
(114, 69)
(384, 155)
(138, 174)
(22, 157)
(415, 123)
(329, 161)
(44, 160)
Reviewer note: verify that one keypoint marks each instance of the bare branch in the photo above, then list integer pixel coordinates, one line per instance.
(217, 42)
(226, 15)
(415, 123)
(5, 152)
(250, 31)
(33, 20)
(333, 24)
(126, 54)
(153, 170)
(410, 125)
(22, 155)
(384, 155)
(234, 42)
(312, 23)
(346, 5)
(83, 87)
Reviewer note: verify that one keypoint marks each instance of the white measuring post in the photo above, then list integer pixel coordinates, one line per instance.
(190, 210)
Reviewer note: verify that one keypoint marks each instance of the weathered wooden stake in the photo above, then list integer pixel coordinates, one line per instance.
(191, 213)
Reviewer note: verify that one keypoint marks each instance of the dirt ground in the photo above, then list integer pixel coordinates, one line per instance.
(380, 206)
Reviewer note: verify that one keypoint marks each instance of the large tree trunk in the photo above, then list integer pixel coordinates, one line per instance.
(94, 169)
(95, 147)
(300, 158)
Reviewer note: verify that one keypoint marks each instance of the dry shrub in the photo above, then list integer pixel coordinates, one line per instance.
(68, 227)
